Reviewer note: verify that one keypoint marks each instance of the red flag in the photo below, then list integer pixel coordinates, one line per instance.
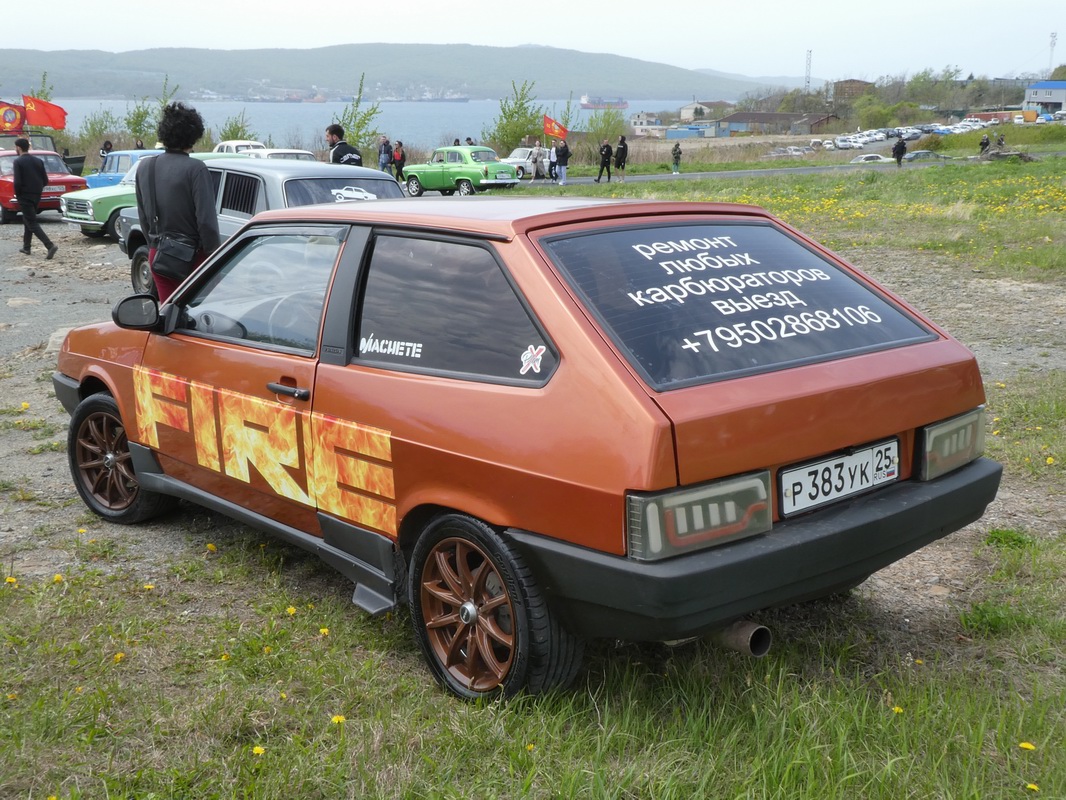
(11, 118)
(553, 128)
(41, 112)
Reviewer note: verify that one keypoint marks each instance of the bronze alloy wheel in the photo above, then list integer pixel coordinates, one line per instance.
(102, 465)
(468, 616)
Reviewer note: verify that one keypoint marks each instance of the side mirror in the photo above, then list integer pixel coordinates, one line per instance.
(139, 312)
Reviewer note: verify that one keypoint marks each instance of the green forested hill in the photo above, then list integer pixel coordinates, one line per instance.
(390, 69)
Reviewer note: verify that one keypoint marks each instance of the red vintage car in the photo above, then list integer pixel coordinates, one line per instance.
(60, 181)
(538, 421)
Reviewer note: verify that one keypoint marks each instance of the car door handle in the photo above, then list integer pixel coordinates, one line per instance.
(291, 391)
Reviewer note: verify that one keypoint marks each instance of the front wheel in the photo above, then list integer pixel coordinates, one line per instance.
(414, 187)
(521, 172)
(141, 272)
(92, 233)
(102, 467)
(479, 617)
(465, 188)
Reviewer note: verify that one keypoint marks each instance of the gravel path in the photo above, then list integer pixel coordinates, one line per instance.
(1011, 326)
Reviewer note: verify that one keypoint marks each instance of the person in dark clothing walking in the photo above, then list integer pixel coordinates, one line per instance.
(176, 200)
(605, 160)
(30, 179)
(399, 158)
(621, 155)
(340, 152)
(899, 149)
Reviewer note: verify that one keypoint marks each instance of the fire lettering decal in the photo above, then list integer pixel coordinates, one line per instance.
(346, 467)
(262, 434)
(161, 399)
(352, 476)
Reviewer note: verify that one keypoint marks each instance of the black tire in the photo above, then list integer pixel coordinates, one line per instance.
(111, 226)
(98, 452)
(6, 215)
(92, 233)
(414, 186)
(461, 568)
(465, 188)
(520, 172)
(141, 272)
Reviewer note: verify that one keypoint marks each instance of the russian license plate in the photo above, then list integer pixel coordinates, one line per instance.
(502, 176)
(53, 188)
(821, 482)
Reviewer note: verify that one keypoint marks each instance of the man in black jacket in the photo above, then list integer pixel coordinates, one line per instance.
(340, 152)
(605, 160)
(30, 180)
(176, 199)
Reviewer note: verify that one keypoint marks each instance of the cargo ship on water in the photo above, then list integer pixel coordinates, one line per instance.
(603, 102)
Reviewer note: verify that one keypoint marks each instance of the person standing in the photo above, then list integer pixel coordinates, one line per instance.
(605, 160)
(675, 153)
(535, 155)
(562, 159)
(899, 149)
(553, 161)
(621, 155)
(106, 150)
(340, 152)
(385, 155)
(30, 178)
(399, 158)
(176, 202)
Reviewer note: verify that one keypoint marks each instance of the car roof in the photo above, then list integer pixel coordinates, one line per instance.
(133, 152)
(500, 217)
(33, 152)
(291, 168)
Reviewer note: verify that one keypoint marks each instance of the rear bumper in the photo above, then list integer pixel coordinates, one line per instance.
(603, 596)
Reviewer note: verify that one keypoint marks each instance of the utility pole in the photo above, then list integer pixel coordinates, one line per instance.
(1051, 56)
(807, 78)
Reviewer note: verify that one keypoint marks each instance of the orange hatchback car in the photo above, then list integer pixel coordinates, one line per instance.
(538, 421)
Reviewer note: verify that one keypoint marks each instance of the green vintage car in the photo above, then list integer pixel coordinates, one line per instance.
(459, 169)
(95, 211)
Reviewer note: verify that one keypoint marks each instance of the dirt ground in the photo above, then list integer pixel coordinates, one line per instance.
(40, 511)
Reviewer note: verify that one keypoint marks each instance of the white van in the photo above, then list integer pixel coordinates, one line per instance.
(1019, 119)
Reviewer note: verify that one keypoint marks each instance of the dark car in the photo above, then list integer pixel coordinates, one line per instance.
(538, 421)
(925, 155)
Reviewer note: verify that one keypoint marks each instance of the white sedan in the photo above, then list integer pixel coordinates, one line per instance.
(521, 159)
(872, 158)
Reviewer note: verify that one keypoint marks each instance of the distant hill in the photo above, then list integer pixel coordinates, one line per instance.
(403, 70)
(788, 81)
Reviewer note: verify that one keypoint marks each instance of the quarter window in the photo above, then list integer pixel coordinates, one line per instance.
(448, 306)
(240, 195)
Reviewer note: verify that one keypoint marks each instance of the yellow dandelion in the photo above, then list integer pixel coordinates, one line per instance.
(291, 610)
(897, 710)
(57, 578)
(118, 657)
(211, 548)
(338, 719)
(149, 586)
(283, 696)
(324, 631)
(1032, 787)
(1027, 745)
(918, 661)
(995, 433)
(268, 649)
(82, 530)
(257, 750)
(1050, 461)
(12, 696)
(25, 406)
(10, 579)
(79, 689)
(529, 747)
(1001, 385)
(225, 657)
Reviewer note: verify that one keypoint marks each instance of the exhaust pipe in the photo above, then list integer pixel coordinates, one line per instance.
(749, 638)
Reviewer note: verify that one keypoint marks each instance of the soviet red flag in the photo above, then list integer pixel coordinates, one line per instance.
(553, 129)
(45, 114)
(11, 118)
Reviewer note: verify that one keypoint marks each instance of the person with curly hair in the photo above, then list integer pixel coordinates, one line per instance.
(176, 201)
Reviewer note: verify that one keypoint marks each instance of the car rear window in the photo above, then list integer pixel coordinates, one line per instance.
(309, 191)
(693, 303)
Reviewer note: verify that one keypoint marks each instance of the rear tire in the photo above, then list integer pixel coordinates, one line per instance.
(141, 272)
(480, 619)
(6, 215)
(101, 464)
(465, 188)
(414, 187)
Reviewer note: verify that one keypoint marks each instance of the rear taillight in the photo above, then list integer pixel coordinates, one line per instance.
(664, 524)
(948, 445)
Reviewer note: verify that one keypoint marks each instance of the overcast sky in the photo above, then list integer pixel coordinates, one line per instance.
(754, 38)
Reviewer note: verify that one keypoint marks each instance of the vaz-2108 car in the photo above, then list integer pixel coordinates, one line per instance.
(538, 421)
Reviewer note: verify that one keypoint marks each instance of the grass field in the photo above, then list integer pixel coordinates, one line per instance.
(240, 669)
